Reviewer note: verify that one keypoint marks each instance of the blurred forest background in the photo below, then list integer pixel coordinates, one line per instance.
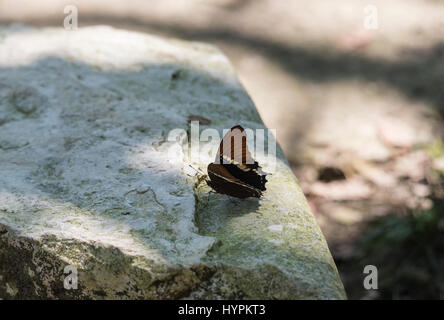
(359, 113)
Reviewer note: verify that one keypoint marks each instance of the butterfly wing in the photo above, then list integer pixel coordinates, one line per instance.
(233, 154)
(223, 182)
(233, 148)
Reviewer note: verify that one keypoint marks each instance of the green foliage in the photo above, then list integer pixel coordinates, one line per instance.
(436, 149)
(419, 227)
(405, 248)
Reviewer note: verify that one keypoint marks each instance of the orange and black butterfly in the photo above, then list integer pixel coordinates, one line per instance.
(234, 172)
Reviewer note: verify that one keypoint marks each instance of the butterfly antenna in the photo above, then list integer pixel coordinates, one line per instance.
(197, 170)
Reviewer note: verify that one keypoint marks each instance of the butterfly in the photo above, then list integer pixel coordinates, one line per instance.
(234, 172)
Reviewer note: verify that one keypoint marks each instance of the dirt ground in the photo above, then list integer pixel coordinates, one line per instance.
(358, 113)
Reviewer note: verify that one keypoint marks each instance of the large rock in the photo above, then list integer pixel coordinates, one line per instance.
(87, 178)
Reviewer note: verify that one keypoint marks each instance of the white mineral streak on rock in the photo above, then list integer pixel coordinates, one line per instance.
(276, 228)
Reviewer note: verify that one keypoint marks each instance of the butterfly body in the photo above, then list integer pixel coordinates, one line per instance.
(234, 171)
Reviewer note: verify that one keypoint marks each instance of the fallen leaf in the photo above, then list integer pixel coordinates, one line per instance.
(413, 165)
(396, 133)
(353, 189)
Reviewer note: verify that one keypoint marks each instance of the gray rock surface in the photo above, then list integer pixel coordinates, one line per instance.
(87, 180)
